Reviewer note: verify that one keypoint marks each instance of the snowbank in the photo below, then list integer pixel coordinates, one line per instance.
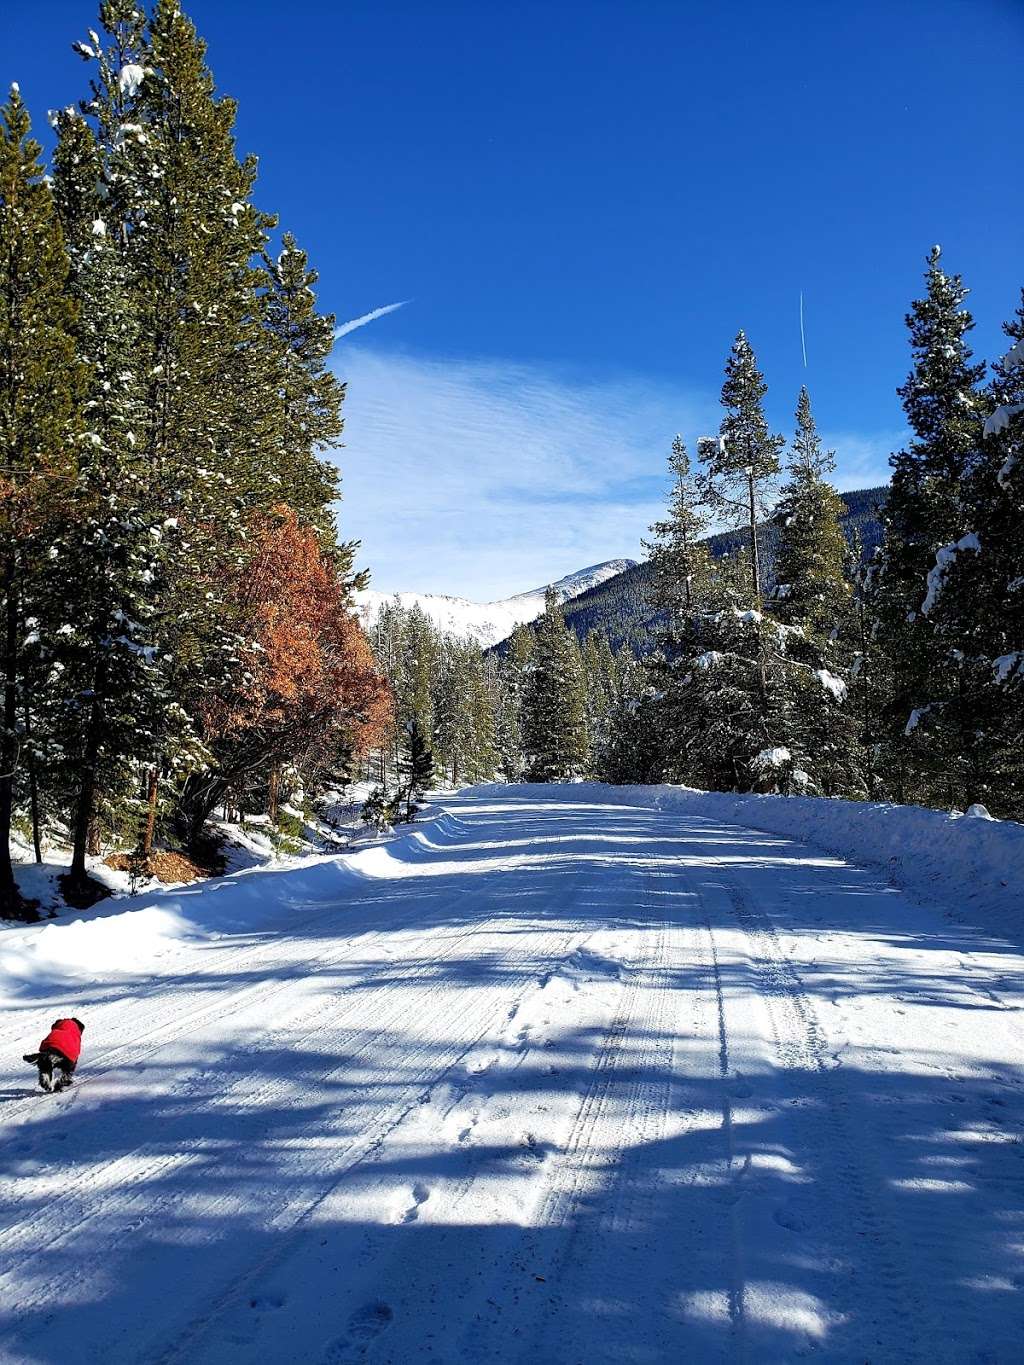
(971, 863)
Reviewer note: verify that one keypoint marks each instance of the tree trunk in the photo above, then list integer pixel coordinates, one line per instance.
(85, 824)
(146, 846)
(755, 557)
(198, 800)
(33, 786)
(10, 898)
(273, 789)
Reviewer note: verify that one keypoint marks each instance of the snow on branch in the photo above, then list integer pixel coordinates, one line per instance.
(945, 556)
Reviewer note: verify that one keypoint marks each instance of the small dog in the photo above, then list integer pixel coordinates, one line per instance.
(58, 1054)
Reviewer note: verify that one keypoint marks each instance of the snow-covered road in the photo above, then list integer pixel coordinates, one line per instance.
(553, 1078)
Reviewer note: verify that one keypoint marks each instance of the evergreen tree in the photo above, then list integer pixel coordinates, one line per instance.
(116, 708)
(418, 769)
(601, 687)
(925, 512)
(973, 726)
(679, 590)
(39, 394)
(812, 598)
(810, 562)
(677, 554)
(513, 675)
(741, 467)
(463, 715)
(634, 748)
(310, 396)
(554, 710)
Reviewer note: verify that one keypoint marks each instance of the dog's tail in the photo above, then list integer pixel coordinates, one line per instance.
(31, 1057)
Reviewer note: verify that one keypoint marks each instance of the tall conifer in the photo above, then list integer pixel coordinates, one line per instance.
(39, 393)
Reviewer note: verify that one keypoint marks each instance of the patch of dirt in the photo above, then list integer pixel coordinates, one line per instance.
(163, 864)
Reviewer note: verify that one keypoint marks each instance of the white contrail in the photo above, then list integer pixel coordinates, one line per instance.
(347, 327)
(803, 340)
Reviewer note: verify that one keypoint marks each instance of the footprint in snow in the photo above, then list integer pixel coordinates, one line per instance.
(420, 1195)
(791, 1220)
(264, 1301)
(364, 1324)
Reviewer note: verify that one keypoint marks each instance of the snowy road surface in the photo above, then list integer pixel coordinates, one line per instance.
(553, 1078)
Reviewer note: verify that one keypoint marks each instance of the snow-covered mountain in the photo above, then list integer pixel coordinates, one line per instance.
(489, 622)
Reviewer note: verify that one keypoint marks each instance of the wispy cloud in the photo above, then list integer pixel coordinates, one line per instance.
(344, 328)
(482, 478)
(862, 458)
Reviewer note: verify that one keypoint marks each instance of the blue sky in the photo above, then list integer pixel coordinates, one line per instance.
(584, 202)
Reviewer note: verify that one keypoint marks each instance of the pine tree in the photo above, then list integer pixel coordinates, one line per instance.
(310, 396)
(679, 590)
(601, 686)
(634, 749)
(925, 513)
(513, 675)
(554, 708)
(677, 554)
(40, 382)
(741, 467)
(116, 709)
(812, 598)
(974, 606)
(810, 579)
(418, 768)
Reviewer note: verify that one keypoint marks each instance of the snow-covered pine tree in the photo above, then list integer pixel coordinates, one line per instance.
(810, 580)
(40, 390)
(421, 662)
(417, 767)
(554, 708)
(513, 674)
(925, 511)
(679, 590)
(463, 716)
(677, 553)
(309, 394)
(974, 605)
(601, 685)
(633, 752)
(116, 711)
(812, 597)
(741, 467)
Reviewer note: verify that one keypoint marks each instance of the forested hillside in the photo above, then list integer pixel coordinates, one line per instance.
(623, 609)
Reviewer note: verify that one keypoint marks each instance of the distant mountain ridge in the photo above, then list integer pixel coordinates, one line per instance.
(490, 622)
(621, 607)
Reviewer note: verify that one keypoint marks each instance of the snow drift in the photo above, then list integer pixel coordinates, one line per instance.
(971, 864)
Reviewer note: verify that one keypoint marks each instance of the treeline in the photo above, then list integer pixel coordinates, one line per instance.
(896, 674)
(902, 679)
(624, 609)
(541, 710)
(177, 621)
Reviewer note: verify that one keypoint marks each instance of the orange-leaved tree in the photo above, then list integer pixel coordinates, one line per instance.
(307, 693)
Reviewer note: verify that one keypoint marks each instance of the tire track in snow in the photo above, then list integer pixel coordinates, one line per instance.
(124, 1171)
(469, 1033)
(595, 1159)
(736, 1289)
(271, 952)
(849, 1188)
